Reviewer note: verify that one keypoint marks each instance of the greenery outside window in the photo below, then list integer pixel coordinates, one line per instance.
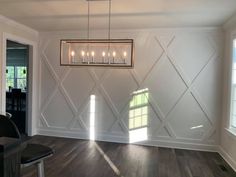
(16, 77)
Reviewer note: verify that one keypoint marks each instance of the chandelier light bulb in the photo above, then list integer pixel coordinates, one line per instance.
(114, 55)
(108, 54)
(82, 53)
(125, 54)
(87, 54)
(103, 56)
(72, 53)
(92, 53)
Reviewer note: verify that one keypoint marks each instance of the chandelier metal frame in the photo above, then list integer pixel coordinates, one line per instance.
(97, 52)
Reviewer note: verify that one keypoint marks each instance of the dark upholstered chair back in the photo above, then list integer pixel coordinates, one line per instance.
(31, 154)
(16, 99)
(8, 128)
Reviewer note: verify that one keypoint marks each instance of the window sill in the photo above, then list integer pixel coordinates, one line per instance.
(231, 132)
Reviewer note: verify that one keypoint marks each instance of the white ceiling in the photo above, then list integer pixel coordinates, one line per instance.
(45, 15)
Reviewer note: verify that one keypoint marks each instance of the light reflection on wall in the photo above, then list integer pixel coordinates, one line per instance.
(196, 127)
(138, 116)
(92, 117)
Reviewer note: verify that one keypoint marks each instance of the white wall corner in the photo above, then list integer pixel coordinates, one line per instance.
(230, 23)
(227, 158)
(17, 25)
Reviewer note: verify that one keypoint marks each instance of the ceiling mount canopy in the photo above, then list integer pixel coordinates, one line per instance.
(97, 52)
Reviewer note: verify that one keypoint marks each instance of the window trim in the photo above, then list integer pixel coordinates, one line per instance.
(231, 132)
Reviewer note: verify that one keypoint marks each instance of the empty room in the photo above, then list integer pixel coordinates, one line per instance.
(117, 88)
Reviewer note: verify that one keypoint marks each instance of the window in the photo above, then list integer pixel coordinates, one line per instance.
(16, 77)
(233, 88)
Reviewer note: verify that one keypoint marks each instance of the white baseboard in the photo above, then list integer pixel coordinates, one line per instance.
(120, 139)
(227, 158)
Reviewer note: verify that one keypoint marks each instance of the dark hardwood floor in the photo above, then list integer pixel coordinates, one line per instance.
(80, 158)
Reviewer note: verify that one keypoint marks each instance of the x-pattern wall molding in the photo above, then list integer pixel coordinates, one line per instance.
(173, 66)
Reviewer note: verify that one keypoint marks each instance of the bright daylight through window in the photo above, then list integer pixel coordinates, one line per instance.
(16, 77)
(233, 88)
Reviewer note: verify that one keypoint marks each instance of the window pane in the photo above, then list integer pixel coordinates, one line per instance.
(137, 112)
(131, 113)
(234, 107)
(145, 100)
(145, 110)
(131, 102)
(131, 123)
(234, 121)
(21, 72)
(144, 120)
(10, 72)
(9, 83)
(138, 122)
(233, 91)
(21, 83)
(139, 99)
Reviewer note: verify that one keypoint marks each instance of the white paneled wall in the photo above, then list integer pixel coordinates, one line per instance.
(181, 68)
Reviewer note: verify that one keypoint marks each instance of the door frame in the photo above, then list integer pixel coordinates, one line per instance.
(31, 114)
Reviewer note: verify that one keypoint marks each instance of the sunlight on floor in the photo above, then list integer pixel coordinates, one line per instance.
(108, 160)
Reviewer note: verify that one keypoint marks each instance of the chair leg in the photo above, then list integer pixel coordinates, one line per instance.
(40, 169)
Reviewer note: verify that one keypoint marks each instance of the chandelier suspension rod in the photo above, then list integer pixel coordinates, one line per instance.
(88, 33)
(109, 24)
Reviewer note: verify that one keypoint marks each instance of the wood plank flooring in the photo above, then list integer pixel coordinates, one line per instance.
(81, 158)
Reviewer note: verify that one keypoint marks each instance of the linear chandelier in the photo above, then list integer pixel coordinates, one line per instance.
(97, 52)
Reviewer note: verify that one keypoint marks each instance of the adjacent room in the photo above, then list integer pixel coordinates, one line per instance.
(16, 83)
(117, 88)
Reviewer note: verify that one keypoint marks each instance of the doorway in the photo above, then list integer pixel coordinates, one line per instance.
(17, 59)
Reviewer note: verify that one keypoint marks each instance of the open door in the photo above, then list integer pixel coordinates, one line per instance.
(17, 59)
